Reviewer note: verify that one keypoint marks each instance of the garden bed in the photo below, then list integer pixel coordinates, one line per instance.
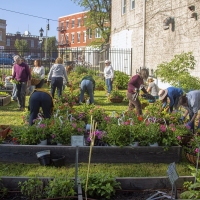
(104, 154)
(4, 100)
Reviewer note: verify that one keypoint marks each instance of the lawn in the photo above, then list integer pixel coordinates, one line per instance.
(10, 115)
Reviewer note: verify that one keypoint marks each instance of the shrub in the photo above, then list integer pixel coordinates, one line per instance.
(121, 80)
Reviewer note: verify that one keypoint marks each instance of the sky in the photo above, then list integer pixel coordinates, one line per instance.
(40, 11)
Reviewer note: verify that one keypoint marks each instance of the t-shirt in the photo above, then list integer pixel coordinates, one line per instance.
(154, 89)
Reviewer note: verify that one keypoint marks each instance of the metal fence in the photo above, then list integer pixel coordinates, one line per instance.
(91, 58)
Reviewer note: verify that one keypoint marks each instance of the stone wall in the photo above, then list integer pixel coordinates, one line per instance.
(160, 45)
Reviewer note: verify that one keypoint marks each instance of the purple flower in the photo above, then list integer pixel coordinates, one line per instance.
(42, 125)
(53, 136)
(196, 150)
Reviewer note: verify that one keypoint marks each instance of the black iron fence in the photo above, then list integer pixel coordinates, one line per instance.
(121, 59)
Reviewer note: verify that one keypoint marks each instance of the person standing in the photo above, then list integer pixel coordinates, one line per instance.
(40, 98)
(152, 89)
(40, 71)
(173, 94)
(135, 84)
(87, 84)
(191, 102)
(56, 74)
(109, 76)
(21, 73)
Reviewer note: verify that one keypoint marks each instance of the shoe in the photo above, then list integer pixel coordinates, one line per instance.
(21, 109)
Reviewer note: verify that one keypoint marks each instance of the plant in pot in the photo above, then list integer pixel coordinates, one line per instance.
(116, 96)
(24, 135)
(99, 84)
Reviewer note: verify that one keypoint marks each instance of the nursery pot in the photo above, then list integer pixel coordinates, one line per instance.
(42, 142)
(45, 160)
(153, 144)
(87, 127)
(42, 153)
(58, 161)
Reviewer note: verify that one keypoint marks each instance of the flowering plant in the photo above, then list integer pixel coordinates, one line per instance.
(116, 94)
(97, 114)
(193, 145)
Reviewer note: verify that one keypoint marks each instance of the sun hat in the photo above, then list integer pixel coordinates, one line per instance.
(162, 94)
(107, 61)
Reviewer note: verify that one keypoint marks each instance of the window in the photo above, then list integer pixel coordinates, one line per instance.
(62, 37)
(32, 43)
(97, 33)
(73, 23)
(84, 36)
(90, 34)
(67, 24)
(132, 3)
(67, 38)
(84, 21)
(78, 37)
(72, 38)
(123, 7)
(79, 22)
(61, 25)
(8, 42)
(0, 35)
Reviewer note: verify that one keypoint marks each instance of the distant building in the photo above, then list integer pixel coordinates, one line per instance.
(2, 34)
(32, 40)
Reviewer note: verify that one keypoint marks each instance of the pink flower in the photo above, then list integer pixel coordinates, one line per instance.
(196, 150)
(173, 129)
(163, 128)
(53, 136)
(79, 129)
(179, 137)
(42, 125)
(126, 123)
(74, 125)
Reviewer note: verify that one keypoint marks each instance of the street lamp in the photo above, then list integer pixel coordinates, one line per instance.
(41, 40)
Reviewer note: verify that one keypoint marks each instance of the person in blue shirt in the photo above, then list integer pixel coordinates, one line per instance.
(191, 102)
(173, 94)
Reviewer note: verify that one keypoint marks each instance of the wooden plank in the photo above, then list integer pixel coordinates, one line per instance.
(27, 154)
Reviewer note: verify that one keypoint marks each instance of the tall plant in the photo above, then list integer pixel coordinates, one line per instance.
(177, 72)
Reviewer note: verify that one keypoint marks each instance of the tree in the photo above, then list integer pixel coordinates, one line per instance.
(51, 46)
(21, 46)
(98, 16)
(177, 72)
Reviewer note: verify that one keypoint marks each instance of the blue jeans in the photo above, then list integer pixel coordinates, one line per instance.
(109, 84)
(21, 93)
(40, 99)
(56, 82)
(87, 85)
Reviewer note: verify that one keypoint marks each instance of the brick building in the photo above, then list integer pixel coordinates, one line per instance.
(156, 30)
(2, 34)
(32, 40)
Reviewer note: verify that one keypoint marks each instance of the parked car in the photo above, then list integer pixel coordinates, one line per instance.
(30, 59)
(49, 59)
(6, 61)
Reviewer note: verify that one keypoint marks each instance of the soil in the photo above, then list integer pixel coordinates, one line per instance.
(120, 195)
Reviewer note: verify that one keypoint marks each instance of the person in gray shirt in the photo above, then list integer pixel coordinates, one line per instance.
(56, 74)
(191, 102)
(152, 89)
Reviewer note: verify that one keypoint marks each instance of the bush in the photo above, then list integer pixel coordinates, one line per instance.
(80, 70)
(121, 79)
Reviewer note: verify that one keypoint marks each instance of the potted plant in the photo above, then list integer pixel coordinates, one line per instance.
(116, 96)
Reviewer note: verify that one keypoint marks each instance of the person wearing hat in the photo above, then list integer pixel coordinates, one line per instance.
(21, 73)
(191, 102)
(136, 83)
(40, 98)
(173, 94)
(152, 89)
(109, 76)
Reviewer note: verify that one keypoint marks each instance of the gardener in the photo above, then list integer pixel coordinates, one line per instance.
(136, 83)
(21, 73)
(87, 85)
(152, 89)
(191, 102)
(109, 76)
(40, 98)
(173, 94)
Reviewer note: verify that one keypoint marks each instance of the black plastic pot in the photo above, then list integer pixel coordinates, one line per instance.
(45, 160)
(58, 161)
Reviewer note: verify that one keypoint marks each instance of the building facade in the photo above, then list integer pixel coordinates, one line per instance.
(2, 34)
(156, 30)
(32, 40)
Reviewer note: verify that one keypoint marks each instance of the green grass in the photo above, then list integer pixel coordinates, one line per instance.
(10, 115)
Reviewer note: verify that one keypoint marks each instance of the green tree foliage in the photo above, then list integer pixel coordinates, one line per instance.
(51, 46)
(99, 16)
(177, 72)
(21, 46)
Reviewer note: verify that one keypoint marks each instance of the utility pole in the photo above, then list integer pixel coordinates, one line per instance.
(47, 28)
